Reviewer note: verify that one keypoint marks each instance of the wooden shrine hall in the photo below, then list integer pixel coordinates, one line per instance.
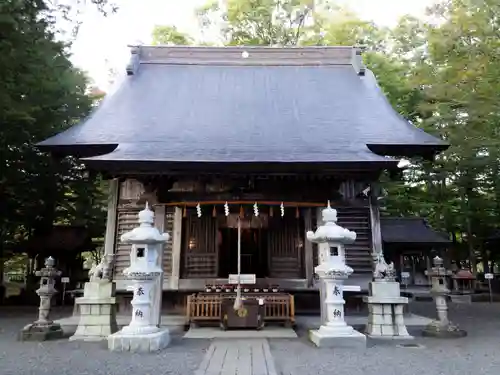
(211, 134)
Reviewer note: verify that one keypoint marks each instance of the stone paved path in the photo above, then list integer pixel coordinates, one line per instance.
(238, 357)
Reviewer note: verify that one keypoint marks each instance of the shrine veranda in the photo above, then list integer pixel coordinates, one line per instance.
(256, 135)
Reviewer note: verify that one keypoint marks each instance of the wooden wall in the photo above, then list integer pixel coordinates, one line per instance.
(200, 260)
(285, 259)
(129, 205)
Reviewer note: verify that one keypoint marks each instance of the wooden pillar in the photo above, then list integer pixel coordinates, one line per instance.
(176, 249)
(110, 235)
(159, 223)
(375, 229)
(308, 250)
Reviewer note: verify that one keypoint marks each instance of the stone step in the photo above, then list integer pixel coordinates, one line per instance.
(244, 357)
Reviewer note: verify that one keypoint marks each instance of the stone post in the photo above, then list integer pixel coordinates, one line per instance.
(143, 333)
(442, 327)
(44, 328)
(109, 239)
(332, 272)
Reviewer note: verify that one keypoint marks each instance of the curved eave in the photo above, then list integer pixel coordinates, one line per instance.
(76, 150)
(155, 166)
(427, 151)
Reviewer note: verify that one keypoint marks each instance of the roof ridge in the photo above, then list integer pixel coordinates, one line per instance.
(246, 56)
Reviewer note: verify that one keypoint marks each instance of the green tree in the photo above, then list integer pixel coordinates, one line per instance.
(259, 22)
(41, 94)
(169, 35)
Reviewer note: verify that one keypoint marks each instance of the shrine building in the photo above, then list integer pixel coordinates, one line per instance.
(209, 134)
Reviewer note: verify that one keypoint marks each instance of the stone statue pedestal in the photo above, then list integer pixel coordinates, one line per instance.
(97, 311)
(385, 309)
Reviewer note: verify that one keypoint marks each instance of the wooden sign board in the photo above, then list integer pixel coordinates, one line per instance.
(65, 280)
(488, 276)
(243, 279)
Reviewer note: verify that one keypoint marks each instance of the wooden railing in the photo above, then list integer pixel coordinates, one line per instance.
(206, 307)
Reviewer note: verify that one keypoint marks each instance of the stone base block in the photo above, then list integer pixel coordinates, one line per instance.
(387, 331)
(354, 340)
(97, 319)
(152, 342)
(384, 289)
(41, 333)
(446, 331)
(93, 332)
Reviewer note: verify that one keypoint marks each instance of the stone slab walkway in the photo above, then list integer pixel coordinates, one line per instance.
(216, 333)
(238, 357)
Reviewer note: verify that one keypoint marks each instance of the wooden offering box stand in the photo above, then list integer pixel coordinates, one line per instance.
(207, 307)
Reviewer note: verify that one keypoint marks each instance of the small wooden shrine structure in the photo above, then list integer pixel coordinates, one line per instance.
(210, 134)
(411, 244)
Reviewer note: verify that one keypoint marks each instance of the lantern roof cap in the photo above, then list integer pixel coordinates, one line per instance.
(330, 231)
(145, 233)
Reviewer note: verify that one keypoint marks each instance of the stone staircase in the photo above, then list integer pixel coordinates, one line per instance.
(358, 254)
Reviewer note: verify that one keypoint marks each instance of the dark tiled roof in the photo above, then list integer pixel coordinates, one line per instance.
(399, 230)
(182, 110)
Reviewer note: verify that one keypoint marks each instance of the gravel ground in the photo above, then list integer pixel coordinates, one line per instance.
(63, 357)
(476, 354)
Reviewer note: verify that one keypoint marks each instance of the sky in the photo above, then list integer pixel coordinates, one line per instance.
(102, 42)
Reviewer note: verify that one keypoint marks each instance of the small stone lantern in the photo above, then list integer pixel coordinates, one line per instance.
(332, 272)
(441, 327)
(143, 332)
(44, 328)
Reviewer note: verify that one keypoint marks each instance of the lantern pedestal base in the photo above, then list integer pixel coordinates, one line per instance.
(151, 342)
(345, 337)
(443, 331)
(34, 332)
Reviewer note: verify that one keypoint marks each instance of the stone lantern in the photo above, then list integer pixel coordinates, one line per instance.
(44, 328)
(145, 270)
(332, 272)
(441, 327)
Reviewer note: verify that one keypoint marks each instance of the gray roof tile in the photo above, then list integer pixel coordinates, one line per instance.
(260, 113)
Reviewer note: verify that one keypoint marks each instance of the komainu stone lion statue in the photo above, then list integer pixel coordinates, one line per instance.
(96, 273)
(384, 271)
